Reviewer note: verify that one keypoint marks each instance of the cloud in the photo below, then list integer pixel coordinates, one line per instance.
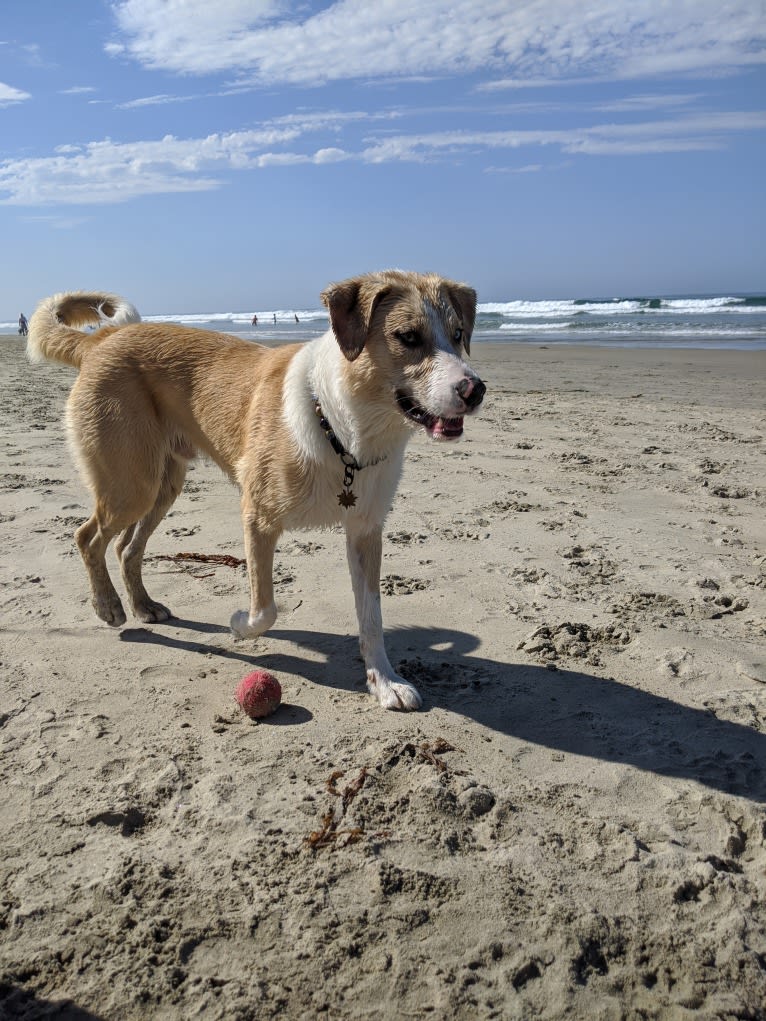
(77, 90)
(652, 101)
(530, 168)
(111, 172)
(524, 42)
(681, 134)
(9, 95)
(161, 100)
(330, 156)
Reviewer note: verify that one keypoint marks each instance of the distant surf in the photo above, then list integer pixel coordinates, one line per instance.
(733, 322)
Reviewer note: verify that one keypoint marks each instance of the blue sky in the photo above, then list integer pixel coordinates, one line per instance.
(203, 156)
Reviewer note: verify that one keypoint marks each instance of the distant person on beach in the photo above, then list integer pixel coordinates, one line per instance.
(296, 317)
(23, 325)
(255, 320)
(275, 318)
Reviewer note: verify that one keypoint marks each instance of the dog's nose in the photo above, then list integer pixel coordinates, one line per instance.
(472, 390)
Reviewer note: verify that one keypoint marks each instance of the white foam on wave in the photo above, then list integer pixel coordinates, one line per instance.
(702, 306)
(531, 327)
(557, 309)
(634, 330)
(241, 318)
(625, 306)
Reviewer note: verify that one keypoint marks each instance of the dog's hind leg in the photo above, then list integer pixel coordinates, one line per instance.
(131, 544)
(118, 443)
(364, 550)
(92, 539)
(121, 512)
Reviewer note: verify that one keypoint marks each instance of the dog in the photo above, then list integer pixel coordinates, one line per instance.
(312, 434)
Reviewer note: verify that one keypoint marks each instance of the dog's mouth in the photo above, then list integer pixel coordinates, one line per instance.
(437, 428)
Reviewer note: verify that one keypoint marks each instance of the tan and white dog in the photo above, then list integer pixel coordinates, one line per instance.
(313, 434)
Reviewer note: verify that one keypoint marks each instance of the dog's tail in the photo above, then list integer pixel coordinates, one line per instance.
(54, 332)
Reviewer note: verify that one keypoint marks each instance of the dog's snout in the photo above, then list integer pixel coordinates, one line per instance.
(472, 390)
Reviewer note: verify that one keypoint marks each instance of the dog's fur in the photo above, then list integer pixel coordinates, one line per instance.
(149, 397)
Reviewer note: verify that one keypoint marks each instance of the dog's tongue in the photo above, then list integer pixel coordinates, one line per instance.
(447, 428)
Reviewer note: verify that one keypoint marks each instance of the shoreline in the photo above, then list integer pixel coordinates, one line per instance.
(657, 342)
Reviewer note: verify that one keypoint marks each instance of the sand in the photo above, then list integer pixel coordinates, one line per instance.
(573, 826)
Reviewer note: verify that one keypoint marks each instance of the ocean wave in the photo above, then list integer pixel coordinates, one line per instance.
(241, 318)
(723, 321)
(622, 306)
(629, 329)
(532, 327)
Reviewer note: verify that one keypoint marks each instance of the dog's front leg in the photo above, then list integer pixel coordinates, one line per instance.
(364, 554)
(259, 550)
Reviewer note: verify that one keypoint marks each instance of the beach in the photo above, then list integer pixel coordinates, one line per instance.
(574, 825)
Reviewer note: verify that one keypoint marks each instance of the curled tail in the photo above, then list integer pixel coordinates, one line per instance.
(54, 332)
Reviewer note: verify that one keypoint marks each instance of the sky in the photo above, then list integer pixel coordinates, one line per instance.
(200, 156)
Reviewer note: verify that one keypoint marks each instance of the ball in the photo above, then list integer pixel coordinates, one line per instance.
(259, 694)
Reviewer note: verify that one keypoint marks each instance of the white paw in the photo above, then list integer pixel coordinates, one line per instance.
(243, 625)
(393, 694)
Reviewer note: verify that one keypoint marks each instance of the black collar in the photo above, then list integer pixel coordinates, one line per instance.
(348, 459)
(350, 464)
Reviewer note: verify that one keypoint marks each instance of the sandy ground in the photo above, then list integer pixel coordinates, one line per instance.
(574, 826)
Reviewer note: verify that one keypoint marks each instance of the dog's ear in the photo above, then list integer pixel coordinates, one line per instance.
(351, 304)
(346, 317)
(463, 300)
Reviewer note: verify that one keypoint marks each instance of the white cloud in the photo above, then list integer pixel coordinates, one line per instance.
(78, 90)
(650, 101)
(525, 41)
(530, 168)
(161, 100)
(111, 172)
(330, 155)
(9, 95)
(681, 134)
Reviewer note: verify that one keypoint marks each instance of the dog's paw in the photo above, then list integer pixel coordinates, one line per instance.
(151, 612)
(109, 609)
(393, 694)
(243, 625)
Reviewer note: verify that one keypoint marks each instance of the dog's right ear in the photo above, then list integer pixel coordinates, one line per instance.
(351, 304)
(346, 316)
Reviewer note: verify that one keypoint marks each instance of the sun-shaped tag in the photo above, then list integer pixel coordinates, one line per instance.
(346, 498)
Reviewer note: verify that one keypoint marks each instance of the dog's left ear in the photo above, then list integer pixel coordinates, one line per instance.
(351, 304)
(463, 300)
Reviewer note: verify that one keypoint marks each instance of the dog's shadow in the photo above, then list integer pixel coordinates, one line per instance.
(568, 711)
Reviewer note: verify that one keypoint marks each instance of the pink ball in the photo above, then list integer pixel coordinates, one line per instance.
(259, 694)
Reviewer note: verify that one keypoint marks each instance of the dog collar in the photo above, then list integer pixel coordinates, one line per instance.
(350, 464)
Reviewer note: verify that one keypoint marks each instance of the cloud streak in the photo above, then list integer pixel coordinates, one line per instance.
(110, 172)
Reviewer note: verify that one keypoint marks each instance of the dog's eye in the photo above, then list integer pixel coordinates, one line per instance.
(458, 335)
(409, 337)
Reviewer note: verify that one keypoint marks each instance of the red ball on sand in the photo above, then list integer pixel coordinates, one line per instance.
(259, 694)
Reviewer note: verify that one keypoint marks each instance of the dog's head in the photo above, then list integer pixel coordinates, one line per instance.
(410, 334)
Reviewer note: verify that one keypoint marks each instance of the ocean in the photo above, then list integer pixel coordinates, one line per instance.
(733, 322)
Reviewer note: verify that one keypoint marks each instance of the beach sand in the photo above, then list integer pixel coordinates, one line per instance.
(573, 826)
